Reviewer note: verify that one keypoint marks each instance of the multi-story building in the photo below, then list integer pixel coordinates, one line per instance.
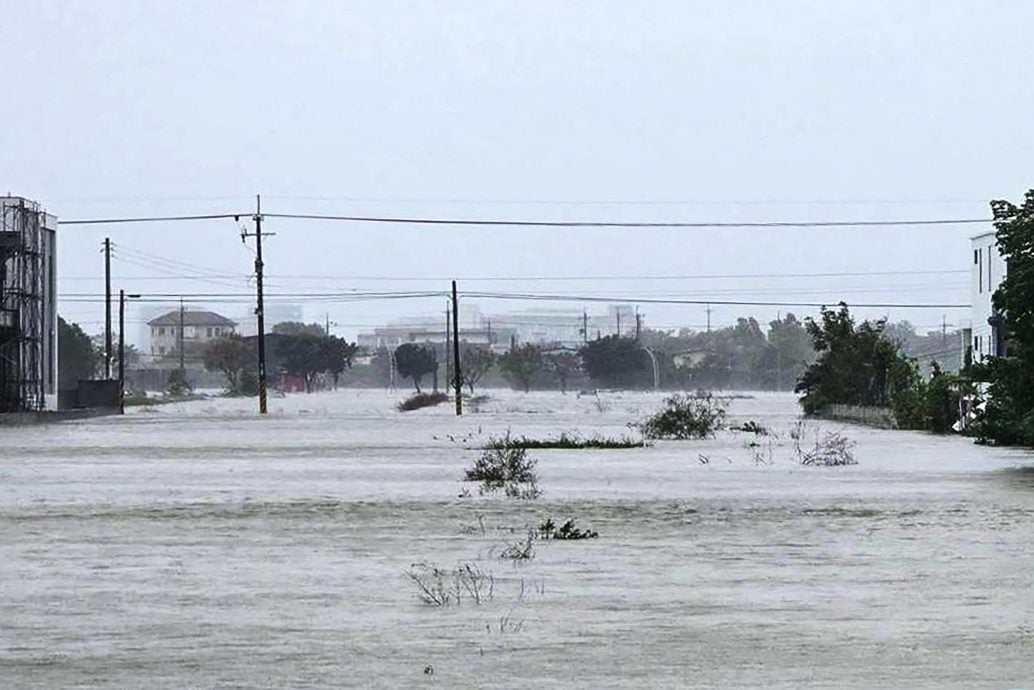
(194, 329)
(987, 272)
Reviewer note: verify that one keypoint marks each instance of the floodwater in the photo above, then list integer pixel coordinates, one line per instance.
(197, 545)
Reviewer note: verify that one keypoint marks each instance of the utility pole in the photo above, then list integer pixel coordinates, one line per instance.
(617, 313)
(638, 323)
(457, 376)
(122, 349)
(183, 361)
(121, 352)
(448, 345)
(944, 328)
(709, 318)
(326, 329)
(259, 302)
(107, 308)
(585, 327)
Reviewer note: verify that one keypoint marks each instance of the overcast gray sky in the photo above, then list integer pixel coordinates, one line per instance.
(652, 111)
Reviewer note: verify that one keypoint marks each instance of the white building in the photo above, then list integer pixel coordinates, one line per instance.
(198, 329)
(988, 269)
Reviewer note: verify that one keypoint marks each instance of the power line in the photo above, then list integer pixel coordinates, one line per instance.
(148, 219)
(400, 220)
(648, 300)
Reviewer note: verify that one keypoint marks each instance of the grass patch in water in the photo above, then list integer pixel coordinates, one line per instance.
(566, 441)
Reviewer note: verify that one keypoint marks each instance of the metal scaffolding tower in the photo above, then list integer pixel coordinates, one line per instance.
(27, 313)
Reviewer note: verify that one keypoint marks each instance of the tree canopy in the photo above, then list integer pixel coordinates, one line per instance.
(413, 361)
(521, 365)
(230, 355)
(1008, 416)
(77, 356)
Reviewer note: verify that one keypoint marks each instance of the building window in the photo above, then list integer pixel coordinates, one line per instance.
(209, 332)
(161, 331)
(980, 272)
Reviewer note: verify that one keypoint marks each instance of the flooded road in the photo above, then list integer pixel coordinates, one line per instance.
(196, 545)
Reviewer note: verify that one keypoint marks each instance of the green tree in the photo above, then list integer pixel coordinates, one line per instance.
(231, 356)
(1008, 416)
(298, 328)
(857, 365)
(522, 365)
(475, 362)
(77, 356)
(302, 355)
(561, 367)
(337, 355)
(414, 362)
(615, 361)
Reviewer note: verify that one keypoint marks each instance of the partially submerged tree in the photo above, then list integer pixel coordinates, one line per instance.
(561, 367)
(338, 355)
(1008, 417)
(230, 355)
(615, 361)
(413, 361)
(77, 357)
(521, 365)
(475, 362)
(857, 365)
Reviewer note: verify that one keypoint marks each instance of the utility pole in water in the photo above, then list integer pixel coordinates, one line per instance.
(259, 302)
(457, 376)
(107, 308)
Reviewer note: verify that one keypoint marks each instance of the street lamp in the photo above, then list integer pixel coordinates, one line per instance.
(122, 296)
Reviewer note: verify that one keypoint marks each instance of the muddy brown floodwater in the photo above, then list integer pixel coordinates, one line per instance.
(196, 545)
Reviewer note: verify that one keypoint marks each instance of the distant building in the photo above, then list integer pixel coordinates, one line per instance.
(988, 269)
(198, 329)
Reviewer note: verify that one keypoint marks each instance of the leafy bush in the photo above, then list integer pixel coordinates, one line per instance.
(570, 441)
(686, 416)
(419, 400)
(549, 530)
(832, 450)
(752, 427)
(504, 465)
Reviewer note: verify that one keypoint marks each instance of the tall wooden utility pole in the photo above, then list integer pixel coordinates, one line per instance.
(585, 327)
(183, 359)
(259, 303)
(107, 308)
(121, 351)
(448, 345)
(457, 376)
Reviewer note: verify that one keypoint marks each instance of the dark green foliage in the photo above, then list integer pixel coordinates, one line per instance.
(616, 362)
(561, 367)
(474, 364)
(505, 466)
(520, 366)
(415, 402)
(232, 356)
(77, 357)
(1008, 416)
(568, 530)
(414, 362)
(298, 328)
(857, 365)
(178, 385)
(685, 417)
(565, 441)
(306, 354)
(752, 427)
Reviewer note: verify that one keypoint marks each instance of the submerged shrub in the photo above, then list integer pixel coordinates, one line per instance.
(832, 450)
(752, 427)
(686, 416)
(549, 530)
(505, 465)
(439, 587)
(415, 402)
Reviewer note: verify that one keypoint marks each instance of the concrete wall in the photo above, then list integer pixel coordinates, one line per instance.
(880, 417)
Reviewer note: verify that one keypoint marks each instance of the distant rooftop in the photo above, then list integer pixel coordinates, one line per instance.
(192, 318)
